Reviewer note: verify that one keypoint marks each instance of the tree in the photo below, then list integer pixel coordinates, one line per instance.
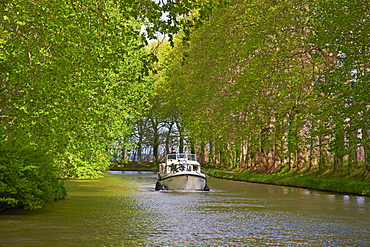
(72, 78)
(274, 84)
(341, 37)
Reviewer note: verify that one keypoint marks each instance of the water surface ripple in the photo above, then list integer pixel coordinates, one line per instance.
(124, 210)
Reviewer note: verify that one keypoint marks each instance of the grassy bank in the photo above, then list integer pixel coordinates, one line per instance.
(338, 185)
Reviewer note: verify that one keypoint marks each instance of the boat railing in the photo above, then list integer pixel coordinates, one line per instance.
(179, 163)
(175, 168)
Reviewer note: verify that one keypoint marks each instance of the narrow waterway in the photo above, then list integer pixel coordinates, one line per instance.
(124, 210)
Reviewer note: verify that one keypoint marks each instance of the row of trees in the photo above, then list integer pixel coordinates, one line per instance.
(73, 77)
(251, 84)
(265, 85)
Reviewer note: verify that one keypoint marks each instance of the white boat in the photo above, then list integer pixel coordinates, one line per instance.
(181, 172)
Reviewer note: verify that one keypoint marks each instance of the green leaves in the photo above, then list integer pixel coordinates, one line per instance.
(72, 78)
(73, 72)
(26, 177)
(74, 75)
(282, 79)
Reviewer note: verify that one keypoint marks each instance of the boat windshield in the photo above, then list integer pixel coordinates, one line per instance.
(191, 157)
(181, 156)
(171, 156)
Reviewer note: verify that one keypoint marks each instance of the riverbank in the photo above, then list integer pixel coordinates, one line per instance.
(324, 183)
(134, 166)
(338, 185)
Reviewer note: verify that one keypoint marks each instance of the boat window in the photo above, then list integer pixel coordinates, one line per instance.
(181, 156)
(171, 156)
(191, 157)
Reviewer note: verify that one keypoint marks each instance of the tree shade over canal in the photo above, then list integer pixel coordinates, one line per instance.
(123, 209)
(269, 86)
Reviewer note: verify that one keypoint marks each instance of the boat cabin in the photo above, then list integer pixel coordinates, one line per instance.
(180, 163)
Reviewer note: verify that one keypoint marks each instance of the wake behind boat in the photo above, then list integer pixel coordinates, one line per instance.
(181, 172)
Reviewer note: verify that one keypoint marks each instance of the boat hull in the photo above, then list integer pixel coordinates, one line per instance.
(184, 181)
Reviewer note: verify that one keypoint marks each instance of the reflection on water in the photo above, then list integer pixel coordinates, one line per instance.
(123, 209)
(360, 200)
(237, 213)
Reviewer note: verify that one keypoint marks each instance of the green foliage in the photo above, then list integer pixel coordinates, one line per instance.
(75, 165)
(273, 84)
(260, 83)
(72, 77)
(27, 177)
(341, 35)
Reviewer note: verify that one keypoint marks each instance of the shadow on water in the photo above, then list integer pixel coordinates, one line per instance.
(123, 209)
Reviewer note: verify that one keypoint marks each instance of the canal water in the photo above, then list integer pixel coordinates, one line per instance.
(123, 209)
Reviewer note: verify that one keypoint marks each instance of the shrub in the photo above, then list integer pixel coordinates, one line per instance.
(27, 176)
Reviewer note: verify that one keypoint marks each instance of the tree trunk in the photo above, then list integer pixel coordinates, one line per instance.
(181, 137)
(168, 137)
